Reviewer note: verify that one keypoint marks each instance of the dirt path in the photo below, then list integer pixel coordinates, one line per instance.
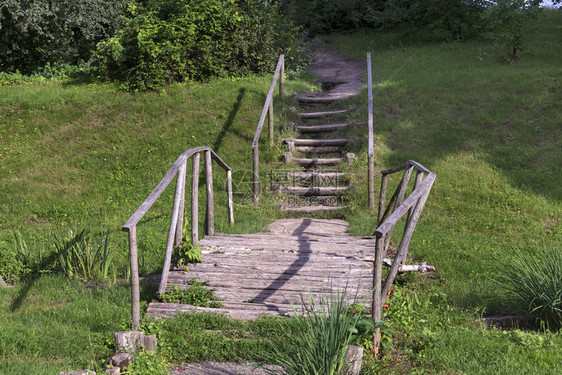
(340, 76)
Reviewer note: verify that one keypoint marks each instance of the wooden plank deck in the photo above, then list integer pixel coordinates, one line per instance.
(266, 273)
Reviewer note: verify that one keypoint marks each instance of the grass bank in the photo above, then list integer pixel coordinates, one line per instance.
(75, 154)
(492, 134)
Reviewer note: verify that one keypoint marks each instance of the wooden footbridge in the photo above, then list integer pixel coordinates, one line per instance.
(267, 273)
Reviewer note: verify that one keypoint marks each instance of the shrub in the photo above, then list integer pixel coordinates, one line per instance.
(535, 281)
(164, 41)
(35, 32)
(324, 16)
(507, 18)
(460, 18)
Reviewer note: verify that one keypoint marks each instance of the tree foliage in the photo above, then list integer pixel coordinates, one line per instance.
(34, 33)
(506, 19)
(163, 41)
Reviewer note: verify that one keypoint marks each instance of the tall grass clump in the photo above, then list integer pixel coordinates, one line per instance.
(86, 256)
(536, 282)
(330, 325)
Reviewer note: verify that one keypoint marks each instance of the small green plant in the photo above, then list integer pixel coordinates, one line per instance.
(330, 325)
(146, 363)
(85, 256)
(187, 251)
(535, 281)
(195, 294)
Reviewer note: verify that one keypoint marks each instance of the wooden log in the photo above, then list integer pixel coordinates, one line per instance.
(172, 229)
(382, 198)
(422, 267)
(256, 175)
(371, 181)
(179, 224)
(195, 199)
(135, 289)
(282, 76)
(271, 122)
(353, 360)
(210, 211)
(377, 287)
(229, 196)
(128, 341)
(402, 251)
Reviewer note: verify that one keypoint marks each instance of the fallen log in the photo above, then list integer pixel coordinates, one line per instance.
(422, 267)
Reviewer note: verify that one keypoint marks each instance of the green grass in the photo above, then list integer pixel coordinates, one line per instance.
(492, 135)
(75, 154)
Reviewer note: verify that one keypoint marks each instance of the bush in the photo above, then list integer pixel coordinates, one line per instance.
(35, 32)
(460, 18)
(164, 41)
(535, 281)
(324, 16)
(507, 19)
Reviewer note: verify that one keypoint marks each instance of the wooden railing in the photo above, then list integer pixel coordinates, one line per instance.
(176, 224)
(370, 151)
(412, 206)
(267, 111)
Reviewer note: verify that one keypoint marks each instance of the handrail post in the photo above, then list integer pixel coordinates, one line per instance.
(195, 199)
(210, 212)
(271, 124)
(370, 153)
(377, 287)
(382, 198)
(135, 289)
(229, 195)
(282, 76)
(181, 207)
(256, 176)
(171, 232)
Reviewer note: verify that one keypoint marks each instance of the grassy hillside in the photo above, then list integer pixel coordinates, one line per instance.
(74, 154)
(492, 133)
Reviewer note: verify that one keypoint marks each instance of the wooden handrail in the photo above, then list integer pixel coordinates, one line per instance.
(411, 206)
(175, 231)
(266, 111)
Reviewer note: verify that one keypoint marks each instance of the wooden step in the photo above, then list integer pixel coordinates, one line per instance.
(321, 128)
(299, 190)
(308, 162)
(319, 142)
(313, 209)
(322, 98)
(308, 115)
(318, 149)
